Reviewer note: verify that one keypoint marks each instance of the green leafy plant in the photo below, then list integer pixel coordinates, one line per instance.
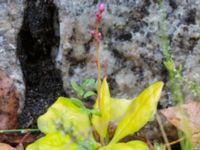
(67, 126)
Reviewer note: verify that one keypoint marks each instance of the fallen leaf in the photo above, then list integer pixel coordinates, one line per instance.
(4, 146)
(14, 138)
(9, 102)
(196, 141)
(20, 147)
(191, 110)
(175, 115)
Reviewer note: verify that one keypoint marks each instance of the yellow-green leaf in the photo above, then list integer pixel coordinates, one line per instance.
(53, 141)
(100, 123)
(139, 112)
(118, 109)
(133, 145)
(64, 116)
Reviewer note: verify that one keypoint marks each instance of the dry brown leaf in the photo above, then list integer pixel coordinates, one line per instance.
(192, 111)
(196, 140)
(20, 147)
(14, 138)
(9, 102)
(4, 146)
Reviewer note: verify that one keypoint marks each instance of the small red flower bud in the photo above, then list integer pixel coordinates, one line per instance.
(92, 33)
(98, 17)
(99, 35)
(101, 7)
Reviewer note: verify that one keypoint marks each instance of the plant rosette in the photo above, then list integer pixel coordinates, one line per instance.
(68, 126)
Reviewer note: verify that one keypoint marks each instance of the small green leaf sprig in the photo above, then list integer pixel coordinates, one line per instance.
(85, 90)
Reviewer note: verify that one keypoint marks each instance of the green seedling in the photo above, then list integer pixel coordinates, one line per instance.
(85, 90)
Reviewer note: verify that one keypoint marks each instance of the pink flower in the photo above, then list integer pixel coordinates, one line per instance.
(96, 34)
(101, 7)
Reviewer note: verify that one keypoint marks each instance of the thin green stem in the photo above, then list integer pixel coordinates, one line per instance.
(19, 130)
(98, 67)
(97, 42)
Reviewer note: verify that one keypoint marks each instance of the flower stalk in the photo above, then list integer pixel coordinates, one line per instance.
(97, 37)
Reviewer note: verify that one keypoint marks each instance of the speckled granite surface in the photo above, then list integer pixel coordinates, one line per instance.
(131, 43)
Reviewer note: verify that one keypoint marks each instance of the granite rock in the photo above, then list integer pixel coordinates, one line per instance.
(131, 45)
(11, 13)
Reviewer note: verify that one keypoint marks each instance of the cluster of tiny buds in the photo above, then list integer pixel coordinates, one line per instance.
(101, 8)
(97, 36)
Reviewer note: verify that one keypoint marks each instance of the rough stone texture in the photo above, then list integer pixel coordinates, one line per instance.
(131, 43)
(10, 22)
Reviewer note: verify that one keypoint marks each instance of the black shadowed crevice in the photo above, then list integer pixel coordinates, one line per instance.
(38, 38)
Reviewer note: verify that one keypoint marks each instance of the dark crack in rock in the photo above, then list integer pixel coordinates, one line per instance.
(38, 41)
